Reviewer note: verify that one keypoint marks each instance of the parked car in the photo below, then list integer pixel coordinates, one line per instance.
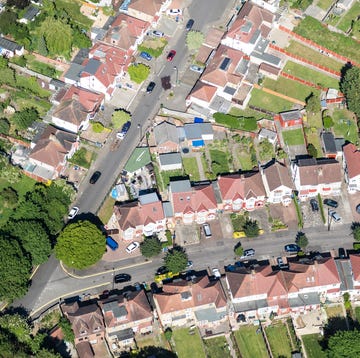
(332, 203)
(342, 253)
(281, 262)
(125, 128)
(358, 208)
(292, 248)
(207, 230)
(157, 33)
(111, 243)
(146, 56)
(95, 177)
(73, 212)
(150, 87)
(314, 205)
(335, 215)
(174, 12)
(122, 277)
(189, 264)
(171, 55)
(162, 270)
(216, 273)
(197, 69)
(189, 25)
(132, 247)
(248, 253)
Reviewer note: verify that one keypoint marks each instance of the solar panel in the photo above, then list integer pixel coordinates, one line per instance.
(225, 64)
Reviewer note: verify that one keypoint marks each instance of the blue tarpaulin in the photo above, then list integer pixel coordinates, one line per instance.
(198, 143)
(198, 120)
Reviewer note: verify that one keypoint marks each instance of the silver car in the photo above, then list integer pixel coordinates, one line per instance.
(197, 69)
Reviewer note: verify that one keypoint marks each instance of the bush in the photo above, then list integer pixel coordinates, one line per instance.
(119, 117)
(139, 72)
(4, 126)
(238, 250)
(151, 246)
(243, 123)
(328, 122)
(251, 228)
(355, 230)
(97, 127)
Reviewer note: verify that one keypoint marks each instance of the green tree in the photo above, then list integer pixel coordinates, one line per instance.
(176, 259)
(97, 127)
(151, 246)
(312, 151)
(4, 126)
(80, 245)
(119, 117)
(23, 119)
(8, 21)
(14, 268)
(80, 39)
(238, 250)
(194, 40)
(302, 240)
(281, 154)
(33, 238)
(65, 325)
(138, 72)
(168, 334)
(355, 230)
(350, 87)
(313, 104)
(344, 344)
(41, 46)
(4, 62)
(9, 197)
(328, 122)
(251, 228)
(266, 150)
(20, 4)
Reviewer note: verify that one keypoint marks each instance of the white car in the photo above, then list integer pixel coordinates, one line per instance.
(174, 12)
(216, 273)
(157, 33)
(73, 212)
(132, 247)
(197, 69)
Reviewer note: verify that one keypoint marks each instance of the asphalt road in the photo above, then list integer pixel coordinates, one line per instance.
(50, 283)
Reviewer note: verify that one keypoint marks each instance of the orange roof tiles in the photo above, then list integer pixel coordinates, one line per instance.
(203, 92)
(355, 265)
(88, 99)
(352, 157)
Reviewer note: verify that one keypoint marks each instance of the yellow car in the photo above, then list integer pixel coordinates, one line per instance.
(239, 234)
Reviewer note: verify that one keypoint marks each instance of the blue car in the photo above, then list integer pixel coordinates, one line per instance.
(145, 56)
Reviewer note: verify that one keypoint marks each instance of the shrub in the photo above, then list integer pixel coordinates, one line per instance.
(243, 123)
(238, 250)
(328, 122)
(97, 127)
(251, 228)
(139, 72)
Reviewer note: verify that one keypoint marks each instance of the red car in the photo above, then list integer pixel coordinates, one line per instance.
(171, 55)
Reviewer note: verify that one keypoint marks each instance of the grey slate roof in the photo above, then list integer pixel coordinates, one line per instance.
(92, 66)
(290, 115)
(305, 299)
(148, 198)
(250, 305)
(266, 57)
(31, 13)
(179, 186)
(165, 132)
(197, 130)
(170, 158)
(9, 45)
(329, 142)
(73, 73)
(209, 314)
(345, 273)
(168, 211)
(123, 334)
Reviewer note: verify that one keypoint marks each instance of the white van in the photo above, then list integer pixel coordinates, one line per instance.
(207, 231)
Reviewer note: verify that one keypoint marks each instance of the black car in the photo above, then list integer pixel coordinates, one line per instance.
(162, 270)
(150, 87)
(342, 253)
(122, 277)
(332, 203)
(189, 25)
(95, 177)
(314, 205)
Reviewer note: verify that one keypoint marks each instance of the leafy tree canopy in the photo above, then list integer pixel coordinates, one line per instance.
(238, 250)
(23, 119)
(194, 40)
(328, 122)
(344, 344)
(176, 259)
(9, 197)
(251, 228)
(313, 104)
(302, 240)
(80, 245)
(139, 72)
(8, 22)
(20, 4)
(312, 150)
(266, 150)
(355, 229)
(350, 87)
(65, 325)
(14, 268)
(4, 126)
(119, 117)
(151, 246)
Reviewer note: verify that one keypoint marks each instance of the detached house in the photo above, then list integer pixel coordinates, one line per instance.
(185, 303)
(302, 286)
(77, 107)
(49, 156)
(316, 176)
(102, 71)
(166, 138)
(143, 217)
(351, 164)
(241, 191)
(86, 321)
(277, 183)
(192, 204)
(126, 315)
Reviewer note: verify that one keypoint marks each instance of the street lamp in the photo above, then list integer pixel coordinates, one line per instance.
(113, 278)
(177, 75)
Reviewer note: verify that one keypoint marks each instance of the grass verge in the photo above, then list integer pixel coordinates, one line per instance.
(106, 210)
(321, 208)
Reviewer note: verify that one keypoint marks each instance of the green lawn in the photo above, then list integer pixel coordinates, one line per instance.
(268, 101)
(191, 168)
(106, 210)
(314, 120)
(188, 345)
(344, 125)
(316, 77)
(352, 14)
(313, 138)
(219, 161)
(334, 311)
(245, 160)
(278, 340)
(312, 346)
(166, 175)
(324, 4)
(216, 348)
(290, 88)
(248, 112)
(312, 29)
(315, 56)
(293, 136)
(250, 343)
(153, 341)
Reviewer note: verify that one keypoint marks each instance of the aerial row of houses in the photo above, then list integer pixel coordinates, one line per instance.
(243, 295)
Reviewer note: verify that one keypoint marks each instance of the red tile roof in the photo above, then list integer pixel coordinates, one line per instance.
(352, 157)
(277, 175)
(134, 214)
(203, 92)
(355, 265)
(88, 99)
(200, 198)
(244, 186)
(182, 294)
(149, 7)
